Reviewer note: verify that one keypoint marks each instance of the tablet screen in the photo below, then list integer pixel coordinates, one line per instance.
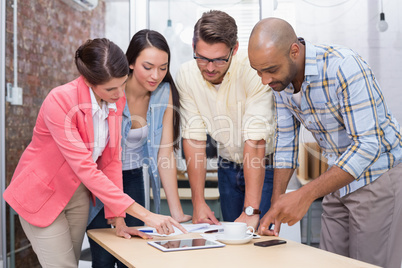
(185, 244)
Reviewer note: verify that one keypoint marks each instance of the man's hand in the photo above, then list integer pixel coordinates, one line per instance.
(288, 208)
(249, 220)
(291, 207)
(203, 214)
(182, 218)
(265, 224)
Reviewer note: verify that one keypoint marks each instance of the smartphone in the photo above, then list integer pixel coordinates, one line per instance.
(269, 243)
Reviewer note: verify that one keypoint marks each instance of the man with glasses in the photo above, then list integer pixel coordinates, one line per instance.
(222, 96)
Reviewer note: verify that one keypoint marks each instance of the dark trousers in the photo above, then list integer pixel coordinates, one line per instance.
(133, 185)
(232, 189)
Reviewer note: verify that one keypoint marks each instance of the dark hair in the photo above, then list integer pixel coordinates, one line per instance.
(216, 26)
(149, 38)
(99, 60)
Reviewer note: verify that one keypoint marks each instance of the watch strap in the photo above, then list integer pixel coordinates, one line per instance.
(255, 211)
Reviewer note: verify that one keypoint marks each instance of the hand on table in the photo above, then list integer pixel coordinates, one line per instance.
(112, 222)
(123, 231)
(249, 220)
(163, 224)
(265, 223)
(288, 208)
(182, 218)
(203, 214)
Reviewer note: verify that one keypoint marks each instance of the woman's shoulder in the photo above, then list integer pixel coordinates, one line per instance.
(161, 91)
(67, 93)
(164, 86)
(62, 89)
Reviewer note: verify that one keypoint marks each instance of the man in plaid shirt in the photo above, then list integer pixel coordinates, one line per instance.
(333, 92)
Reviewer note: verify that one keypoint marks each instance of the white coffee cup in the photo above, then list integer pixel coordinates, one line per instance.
(236, 230)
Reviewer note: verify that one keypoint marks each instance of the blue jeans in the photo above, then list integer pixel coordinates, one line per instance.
(232, 189)
(133, 185)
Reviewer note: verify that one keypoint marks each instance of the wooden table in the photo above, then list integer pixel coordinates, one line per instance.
(135, 252)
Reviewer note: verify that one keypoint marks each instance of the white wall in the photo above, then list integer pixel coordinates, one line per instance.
(117, 22)
(353, 24)
(350, 23)
(184, 14)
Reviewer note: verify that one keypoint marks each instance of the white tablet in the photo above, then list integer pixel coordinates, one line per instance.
(185, 244)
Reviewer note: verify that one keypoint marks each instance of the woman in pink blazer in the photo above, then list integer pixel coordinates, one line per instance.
(75, 148)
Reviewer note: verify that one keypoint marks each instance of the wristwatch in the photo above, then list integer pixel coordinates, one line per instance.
(250, 211)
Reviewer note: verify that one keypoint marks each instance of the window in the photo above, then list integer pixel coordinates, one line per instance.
(183, 16)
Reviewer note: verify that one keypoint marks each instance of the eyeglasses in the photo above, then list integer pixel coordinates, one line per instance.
(202, 61)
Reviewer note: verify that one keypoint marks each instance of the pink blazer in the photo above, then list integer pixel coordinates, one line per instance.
(59, 158)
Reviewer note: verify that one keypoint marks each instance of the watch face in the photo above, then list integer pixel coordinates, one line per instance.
(249, 211)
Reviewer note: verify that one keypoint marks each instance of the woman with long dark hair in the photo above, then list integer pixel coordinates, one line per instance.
(150, 133)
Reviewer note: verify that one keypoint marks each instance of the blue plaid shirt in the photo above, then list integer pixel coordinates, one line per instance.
(343, 107)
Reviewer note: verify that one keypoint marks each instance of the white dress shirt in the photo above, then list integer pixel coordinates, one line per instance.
(101, 126)
(241, 108)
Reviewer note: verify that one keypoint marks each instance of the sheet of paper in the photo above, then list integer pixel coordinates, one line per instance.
(218, 228)
(191, 228)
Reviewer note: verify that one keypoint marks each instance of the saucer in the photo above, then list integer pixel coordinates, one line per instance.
(223, 239)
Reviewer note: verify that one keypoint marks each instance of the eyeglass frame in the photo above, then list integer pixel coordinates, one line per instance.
(213, 60)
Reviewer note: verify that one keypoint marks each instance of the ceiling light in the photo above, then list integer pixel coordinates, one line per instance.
(382, 25)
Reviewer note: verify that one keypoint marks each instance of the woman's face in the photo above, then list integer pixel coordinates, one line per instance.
(150, 68)
(111, 91)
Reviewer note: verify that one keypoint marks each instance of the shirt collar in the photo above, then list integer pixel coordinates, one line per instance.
(112, 106)
(96, 107)
(310, 65)
(232, 66)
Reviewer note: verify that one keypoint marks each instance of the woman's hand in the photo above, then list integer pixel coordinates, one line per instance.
(112, 221)
(163, 224)
(123, 231)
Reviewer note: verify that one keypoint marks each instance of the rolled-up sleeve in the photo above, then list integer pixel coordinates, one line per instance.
(359, 97)
(258, 119)
(286, 136)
